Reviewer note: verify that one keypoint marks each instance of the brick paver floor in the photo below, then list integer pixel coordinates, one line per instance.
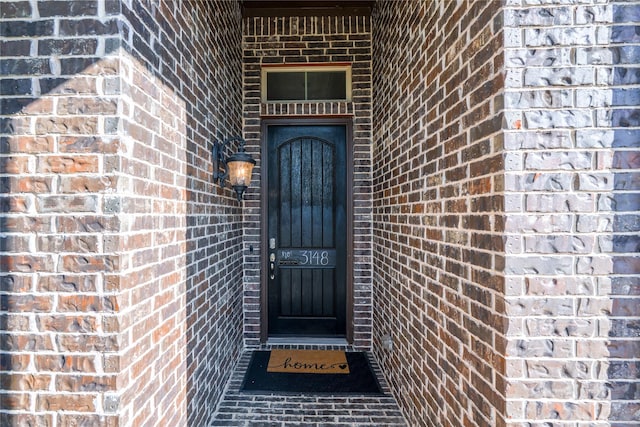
(269, 410)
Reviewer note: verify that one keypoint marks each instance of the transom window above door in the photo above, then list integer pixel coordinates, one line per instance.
(306, 83)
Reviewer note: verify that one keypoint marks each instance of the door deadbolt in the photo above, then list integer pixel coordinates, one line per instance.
(272, 266)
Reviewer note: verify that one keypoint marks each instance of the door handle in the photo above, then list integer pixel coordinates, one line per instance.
(272, 266)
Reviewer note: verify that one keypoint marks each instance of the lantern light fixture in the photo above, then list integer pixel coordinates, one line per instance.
(237, 167)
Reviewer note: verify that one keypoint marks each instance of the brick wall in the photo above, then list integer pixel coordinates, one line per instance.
(571, 202)
(506, 218)
(181, 287)
(299, 40)
(438, 204)
(121, 261)
(503, 201)
(59, 315)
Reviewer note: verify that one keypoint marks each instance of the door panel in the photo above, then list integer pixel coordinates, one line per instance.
(307, 230)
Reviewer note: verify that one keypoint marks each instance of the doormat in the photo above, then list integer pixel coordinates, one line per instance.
(359, 380)
(308, 362)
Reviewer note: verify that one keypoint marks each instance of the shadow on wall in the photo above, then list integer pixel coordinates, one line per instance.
(624, 335)
(198, 262)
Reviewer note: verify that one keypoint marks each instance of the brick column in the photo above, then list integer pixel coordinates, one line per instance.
(121, 272)
(571, 202)
(59, 97)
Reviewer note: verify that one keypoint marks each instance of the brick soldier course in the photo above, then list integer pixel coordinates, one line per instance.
(496, 210)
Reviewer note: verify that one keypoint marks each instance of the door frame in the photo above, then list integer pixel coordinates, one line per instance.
(264, 216)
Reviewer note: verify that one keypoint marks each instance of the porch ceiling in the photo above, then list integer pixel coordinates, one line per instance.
(306, 7)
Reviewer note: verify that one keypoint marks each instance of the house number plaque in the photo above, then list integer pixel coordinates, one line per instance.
(307, 257)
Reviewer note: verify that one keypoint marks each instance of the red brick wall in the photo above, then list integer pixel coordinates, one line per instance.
(122, 261)
(299, 40)
(181, 289)
(58, 315)
(438, 209)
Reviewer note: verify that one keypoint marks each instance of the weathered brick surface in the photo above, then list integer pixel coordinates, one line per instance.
(301, 40)
(55, 310)
(121, 278)
(571, 253)
(438, 209)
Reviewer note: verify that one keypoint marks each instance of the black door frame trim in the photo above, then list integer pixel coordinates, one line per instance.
(264, 216)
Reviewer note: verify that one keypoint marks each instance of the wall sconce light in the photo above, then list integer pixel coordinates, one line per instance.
(238, 167)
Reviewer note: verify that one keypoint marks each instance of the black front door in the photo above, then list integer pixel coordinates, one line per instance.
(307, 242)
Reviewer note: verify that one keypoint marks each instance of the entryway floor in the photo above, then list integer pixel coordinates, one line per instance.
(270, 410)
